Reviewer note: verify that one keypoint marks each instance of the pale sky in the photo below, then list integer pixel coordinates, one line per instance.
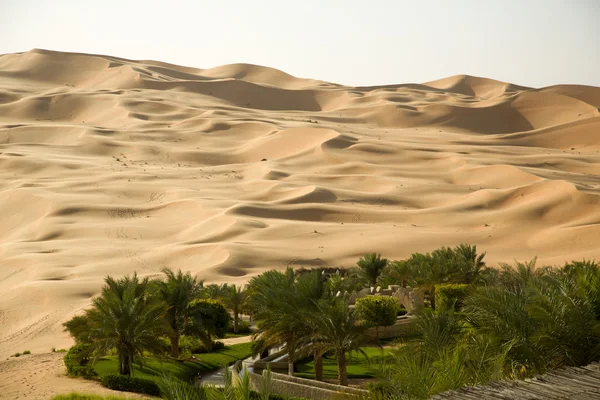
(354, 42)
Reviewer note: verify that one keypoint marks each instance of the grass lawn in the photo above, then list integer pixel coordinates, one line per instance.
(358, 365)
(154, 367)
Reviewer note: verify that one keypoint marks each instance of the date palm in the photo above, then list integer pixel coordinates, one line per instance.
(126, 317)
(371, 266)
(234, 298)
(177, 292)
(337, 329)
(273, 303)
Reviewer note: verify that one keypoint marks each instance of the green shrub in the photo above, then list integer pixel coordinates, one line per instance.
(377, 310)
(26, 352)
(77, 361)
(126, 383)
(451, 296)
(17, 355)
(209, 319)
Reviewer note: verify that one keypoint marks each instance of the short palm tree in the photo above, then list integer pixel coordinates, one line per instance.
(177, 292)
(371, 266)
(126, 317)
(234, 298)
(337, 329)
(471, 263)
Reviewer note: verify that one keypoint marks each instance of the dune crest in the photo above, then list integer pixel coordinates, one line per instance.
(111, 166)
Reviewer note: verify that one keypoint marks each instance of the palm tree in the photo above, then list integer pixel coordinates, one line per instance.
(126, 317)
(471, 263)
(214, 291)
(309, 289)
(234, 298)
(399, 272)
(177, 292)
(272, 301)
(428, 272)
(336, 328)
(371, 266)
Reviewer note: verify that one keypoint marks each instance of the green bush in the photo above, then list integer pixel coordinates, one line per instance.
(17, 355)
(26, 352)
(77, 361)
(402, 310)
(451, 296)
(377, 310)
(126, 383)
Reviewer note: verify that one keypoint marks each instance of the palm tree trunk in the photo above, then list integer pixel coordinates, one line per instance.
(318, 365)
(235, 321)
(126, 364)
(121, 363)
(175, 345)
(290, 361)
(342, 374)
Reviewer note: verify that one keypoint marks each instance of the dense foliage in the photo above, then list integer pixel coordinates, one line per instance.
(451, 296)
(479, 323)
(130, 384)
(77, 360)
(524, 321)
(377, 311)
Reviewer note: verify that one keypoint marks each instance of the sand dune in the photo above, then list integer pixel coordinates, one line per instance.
(111, 166)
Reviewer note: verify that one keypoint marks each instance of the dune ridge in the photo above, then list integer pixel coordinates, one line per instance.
(111, 166)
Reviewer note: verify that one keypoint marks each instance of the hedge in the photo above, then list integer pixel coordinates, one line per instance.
(451, 296)
(126, 383)
(77, 361)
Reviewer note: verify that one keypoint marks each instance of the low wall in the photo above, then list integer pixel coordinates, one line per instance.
(286, 385)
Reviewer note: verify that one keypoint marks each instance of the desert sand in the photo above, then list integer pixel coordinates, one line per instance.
(110, 166)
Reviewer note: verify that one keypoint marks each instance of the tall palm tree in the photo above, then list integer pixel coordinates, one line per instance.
(371, 266)
(234, 298)
(126, 317)
(177, 292)
(336, 328)
(274, 306)
(309, 289)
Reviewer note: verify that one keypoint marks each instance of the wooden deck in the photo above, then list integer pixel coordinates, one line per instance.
(572, 383)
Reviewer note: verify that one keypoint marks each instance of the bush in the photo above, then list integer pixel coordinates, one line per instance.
(451, 297)
(26, 352)
(377, 310)
(17, 355)
(126, 383)
(77, 361)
